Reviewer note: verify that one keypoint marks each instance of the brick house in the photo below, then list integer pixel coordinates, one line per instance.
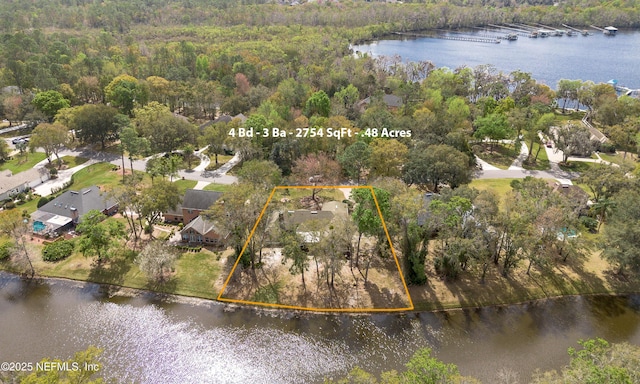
(193, 203)
(203, 231)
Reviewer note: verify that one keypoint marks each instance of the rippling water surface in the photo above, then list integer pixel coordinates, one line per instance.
(150, 341)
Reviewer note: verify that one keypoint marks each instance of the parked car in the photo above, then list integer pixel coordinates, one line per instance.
(20, 140)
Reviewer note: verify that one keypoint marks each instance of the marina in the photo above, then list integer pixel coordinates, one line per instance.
(547, 60)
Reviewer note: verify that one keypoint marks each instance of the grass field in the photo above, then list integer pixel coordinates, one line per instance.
(502, 156)
(183, 185)
(195, 273)
(219, 187)
(22, 163)
(74, 161)
(501, 186)
(542, 162)
(576, 166)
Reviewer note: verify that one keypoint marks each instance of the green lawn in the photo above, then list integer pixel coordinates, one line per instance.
(619, 159)
(219, 187)
(502, 155)
(542, 162)
(20, 163)
(500, 186)
(183, 185)
(196, 273)
(576, 166)
(73, 161)
(96, 174)
(222, 159)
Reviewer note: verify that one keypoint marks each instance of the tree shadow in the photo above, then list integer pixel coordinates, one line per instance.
(113, 271)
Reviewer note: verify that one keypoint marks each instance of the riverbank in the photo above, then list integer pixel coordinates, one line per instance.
(199, 276)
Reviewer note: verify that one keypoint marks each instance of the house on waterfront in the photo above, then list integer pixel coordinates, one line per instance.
(65, 211)
(308, 223)
(13, 184)
(193, 203)
(203, 231)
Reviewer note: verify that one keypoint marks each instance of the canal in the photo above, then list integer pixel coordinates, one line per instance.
(147, 340)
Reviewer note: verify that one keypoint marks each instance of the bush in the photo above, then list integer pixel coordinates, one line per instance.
(57, 250)
(53, 173)
(5, 250)
(9, 205)
(44, 200)
(590, 223)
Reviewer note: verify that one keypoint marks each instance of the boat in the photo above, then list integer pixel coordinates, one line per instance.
(610, 31)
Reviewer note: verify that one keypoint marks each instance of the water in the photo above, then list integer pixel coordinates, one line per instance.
(150, 341)
(597, 58)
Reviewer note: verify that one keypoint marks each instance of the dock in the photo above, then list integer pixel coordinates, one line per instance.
(584, 32)
(491, 40)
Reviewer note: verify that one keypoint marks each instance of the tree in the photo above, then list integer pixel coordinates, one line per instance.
(15, 226)
(494, 127)
(422, 368)
(160, 197)
(237, 214)
(572, 139)
(319, 104)
(568, 91)
(366, 216)
(292, 251)
(133, 144)
(125, 92)
(214, 137)
(99, 236)
(315, 169)
(355, 160)
(50, 137)
(260, 173)
(428, 168)
(96, 123)
(188, 151)
(156, 260)
(387, 157)
(164, 131)
(81, 369)
(621, 245)
(597, 362)
(4, 151)
(604, 181)
(50, 102)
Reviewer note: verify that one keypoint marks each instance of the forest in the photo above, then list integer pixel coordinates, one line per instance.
(152, 75)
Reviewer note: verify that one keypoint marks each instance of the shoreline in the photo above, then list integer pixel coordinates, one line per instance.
(112, 290)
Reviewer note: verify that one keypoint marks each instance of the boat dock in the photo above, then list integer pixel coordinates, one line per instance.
(492, 40)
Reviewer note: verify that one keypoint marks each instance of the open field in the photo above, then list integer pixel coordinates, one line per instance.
(21, 163)
(502, 155)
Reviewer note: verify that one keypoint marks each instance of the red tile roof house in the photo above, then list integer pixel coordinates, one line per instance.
(193, 203)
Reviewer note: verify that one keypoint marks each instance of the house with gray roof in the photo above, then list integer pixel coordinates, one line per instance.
(306, 222)
(392, 102)
(193, 203)
(203, 231)
(13, 184)
(66, 210)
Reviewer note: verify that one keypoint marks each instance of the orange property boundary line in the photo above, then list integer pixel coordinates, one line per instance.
(354, 310)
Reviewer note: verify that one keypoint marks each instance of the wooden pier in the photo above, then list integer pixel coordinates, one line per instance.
(491, 40)
(584, 32)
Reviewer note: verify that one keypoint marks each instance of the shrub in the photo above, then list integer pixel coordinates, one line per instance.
(44, 200)
(57, 250)
(5, 250)
(53, 173)
(9, 205)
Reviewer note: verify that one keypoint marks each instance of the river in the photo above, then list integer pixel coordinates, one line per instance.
(147, 340)
(598, 58)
